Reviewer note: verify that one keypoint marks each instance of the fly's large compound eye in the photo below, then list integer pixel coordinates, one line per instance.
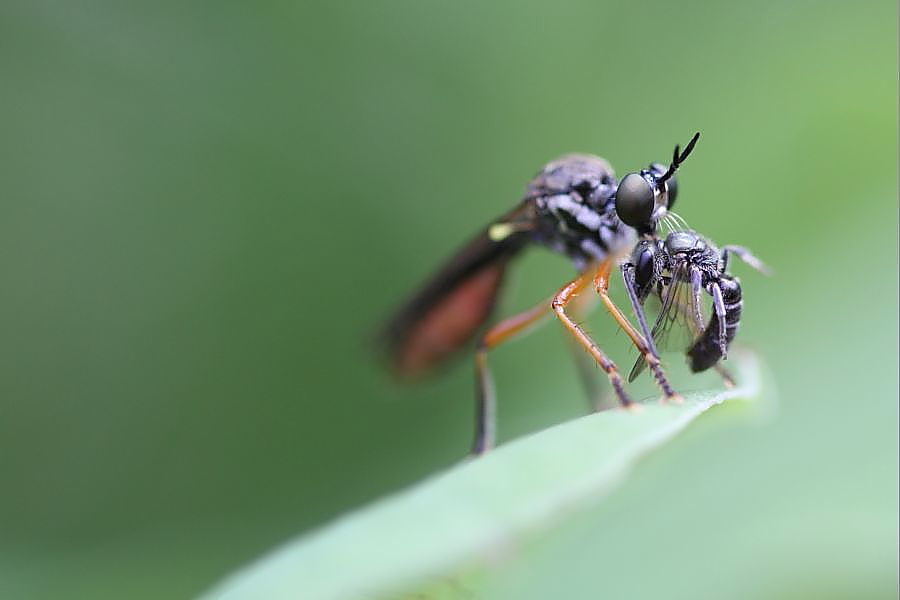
(635, 200)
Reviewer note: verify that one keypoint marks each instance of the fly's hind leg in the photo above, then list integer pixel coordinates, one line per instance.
(560, 301)
(485, 399)
(601, 283)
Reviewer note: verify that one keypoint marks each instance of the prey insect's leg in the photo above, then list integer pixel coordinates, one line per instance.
(725, 374)
(563, 298)
(696, 289)
(628, 277)
(486, 402)
(719, 308)
(601, 283)
(745, 256)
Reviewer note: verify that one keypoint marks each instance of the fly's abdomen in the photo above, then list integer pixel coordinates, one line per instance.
(707, 351)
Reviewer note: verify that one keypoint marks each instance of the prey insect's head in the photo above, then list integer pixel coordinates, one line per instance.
(643, 198)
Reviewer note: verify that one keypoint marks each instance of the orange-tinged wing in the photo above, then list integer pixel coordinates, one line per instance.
(451, 307)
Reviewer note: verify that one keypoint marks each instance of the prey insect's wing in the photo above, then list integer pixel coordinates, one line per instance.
(676, 319)
(453, 305)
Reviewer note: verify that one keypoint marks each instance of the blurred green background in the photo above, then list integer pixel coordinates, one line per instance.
(208, 208)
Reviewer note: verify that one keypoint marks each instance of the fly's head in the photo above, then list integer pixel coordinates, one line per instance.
(643, 198)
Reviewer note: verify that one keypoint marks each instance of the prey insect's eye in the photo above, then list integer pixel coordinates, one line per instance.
(644, 266)
(635, 200)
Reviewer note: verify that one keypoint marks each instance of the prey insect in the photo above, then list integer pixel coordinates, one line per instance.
(575, 207)
(678, 270)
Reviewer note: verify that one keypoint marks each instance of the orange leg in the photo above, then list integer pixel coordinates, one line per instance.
(601, 283)
(563, 298)
(596, 393)
(486, 401)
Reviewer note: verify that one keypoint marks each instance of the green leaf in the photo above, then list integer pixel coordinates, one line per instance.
(468, 516)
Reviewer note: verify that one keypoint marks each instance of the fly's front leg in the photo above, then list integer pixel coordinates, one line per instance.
(485, 399)
(601, 283)
(559, 303)
(596, 393)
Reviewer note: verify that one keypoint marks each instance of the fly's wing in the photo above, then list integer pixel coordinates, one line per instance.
(453, 305)
(676, 320)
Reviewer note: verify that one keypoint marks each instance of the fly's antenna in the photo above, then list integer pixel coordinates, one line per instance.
(677, 159)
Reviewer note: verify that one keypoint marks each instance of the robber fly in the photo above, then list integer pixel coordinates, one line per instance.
(575, 207)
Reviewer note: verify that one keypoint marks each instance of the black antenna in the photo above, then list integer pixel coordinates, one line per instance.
(677, 159)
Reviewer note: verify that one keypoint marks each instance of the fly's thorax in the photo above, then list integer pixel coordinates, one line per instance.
(590, 176)
(571, 226)
(573, 201)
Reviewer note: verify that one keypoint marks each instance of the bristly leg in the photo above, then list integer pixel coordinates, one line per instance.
(598, 395)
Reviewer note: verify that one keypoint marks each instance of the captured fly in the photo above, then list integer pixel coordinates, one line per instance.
(575, 207)
(679, 270)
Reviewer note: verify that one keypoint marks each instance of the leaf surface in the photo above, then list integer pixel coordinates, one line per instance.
(476, 512)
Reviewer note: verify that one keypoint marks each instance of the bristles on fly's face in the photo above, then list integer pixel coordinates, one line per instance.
(673, 222)
(680, 220)
(666, 222)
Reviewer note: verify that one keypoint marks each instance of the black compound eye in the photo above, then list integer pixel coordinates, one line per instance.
(644, 267)
(635, 200)
(646, 273)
